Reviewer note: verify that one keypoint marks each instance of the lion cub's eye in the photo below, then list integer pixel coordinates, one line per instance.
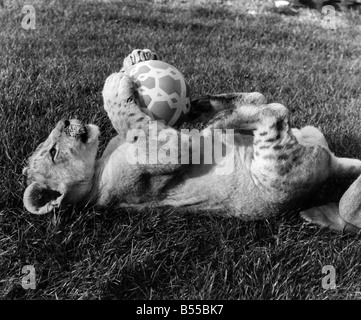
(53, 152)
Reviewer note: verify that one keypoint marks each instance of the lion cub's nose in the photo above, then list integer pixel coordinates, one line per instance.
(76, 129)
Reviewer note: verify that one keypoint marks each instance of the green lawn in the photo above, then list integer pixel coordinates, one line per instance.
(58, 70)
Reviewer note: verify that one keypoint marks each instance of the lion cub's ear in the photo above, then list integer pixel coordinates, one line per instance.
(39, 199)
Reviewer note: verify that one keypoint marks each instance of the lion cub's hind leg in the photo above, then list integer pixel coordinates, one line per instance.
(205, 108)
(340, 167)
(328, 216)
(346, 216)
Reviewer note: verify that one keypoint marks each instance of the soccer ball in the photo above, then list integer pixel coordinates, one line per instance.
(161, 91)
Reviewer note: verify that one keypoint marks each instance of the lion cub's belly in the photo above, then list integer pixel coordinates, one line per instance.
(217, 187)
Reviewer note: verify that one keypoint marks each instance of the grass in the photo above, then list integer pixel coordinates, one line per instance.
(58, 70)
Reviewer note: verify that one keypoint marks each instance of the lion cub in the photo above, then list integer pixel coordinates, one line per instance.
(250, 163)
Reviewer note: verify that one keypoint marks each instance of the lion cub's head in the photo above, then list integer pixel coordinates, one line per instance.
(62, 167)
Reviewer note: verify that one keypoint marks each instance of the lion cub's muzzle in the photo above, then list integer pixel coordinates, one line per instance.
(74, 128)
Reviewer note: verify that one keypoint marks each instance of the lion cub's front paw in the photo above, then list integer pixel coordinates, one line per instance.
(139, 55)
(117, 89)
